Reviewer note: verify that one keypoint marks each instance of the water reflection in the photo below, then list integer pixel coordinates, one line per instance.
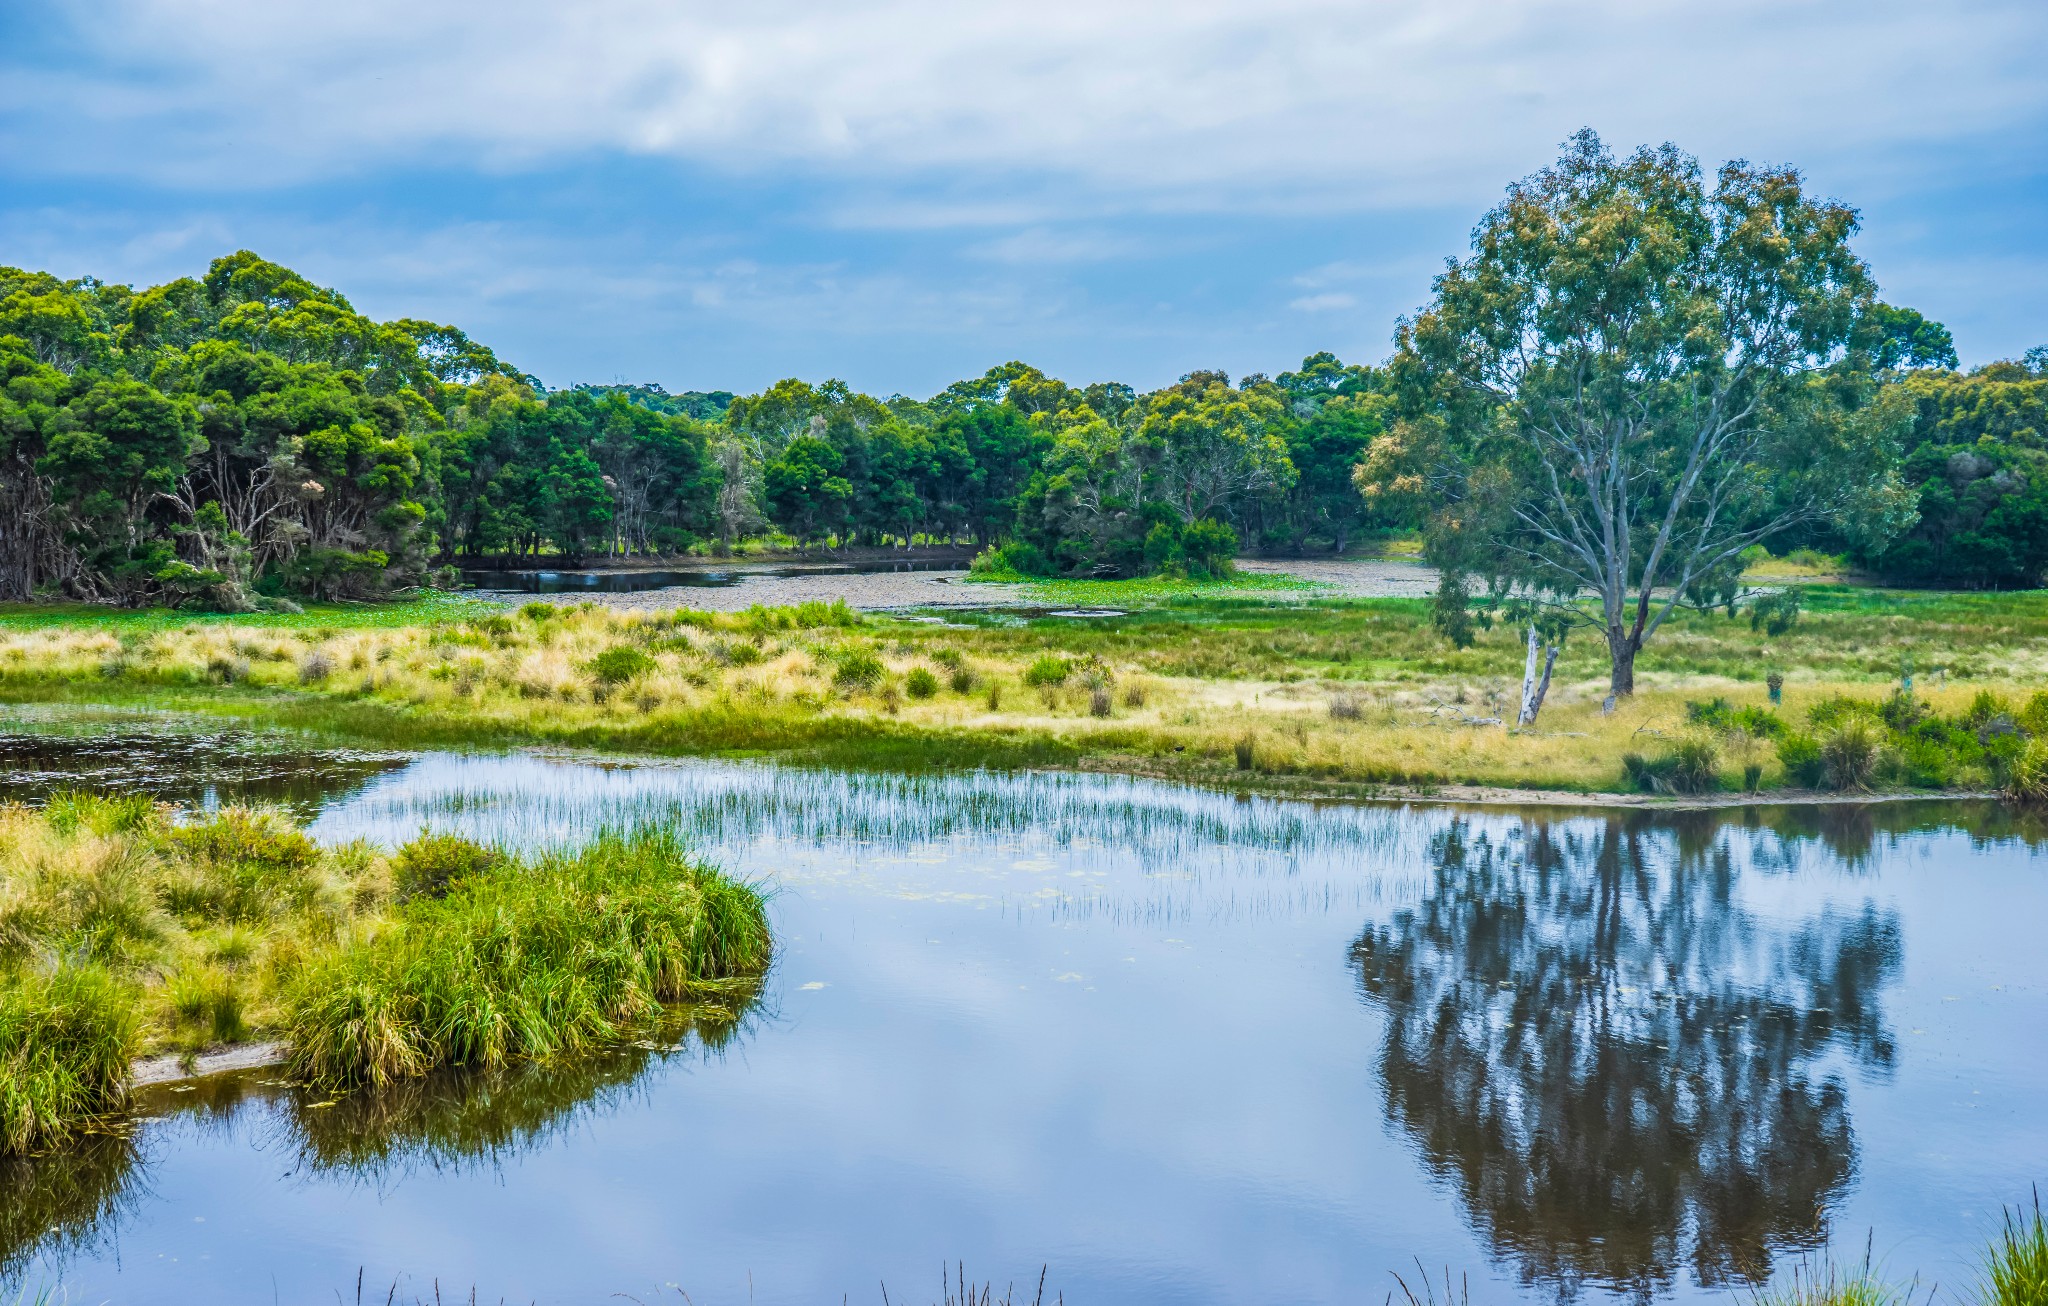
(68, 1203)
(1620, 1065)
(175, 759)
(65, 1203)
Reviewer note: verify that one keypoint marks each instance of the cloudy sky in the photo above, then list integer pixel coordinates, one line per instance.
(903, 192)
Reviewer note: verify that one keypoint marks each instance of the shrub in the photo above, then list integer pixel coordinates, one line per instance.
(1925, 764)
(1016, 560)
(1049, 671)
(66, 1039)
(1347, 707)
(1099, 703)
(2034, 716)
(251, 836)
(426, 867)
(527, 962)
(1986, 708)
(1694, 765)
(619, 664)
(315, 667)
(1752, 777)
(1849, 754)
(1246, 749)
(962, 678)
(920, 683)
(857, 669)
(2026, 779)
(1800, 756)
(539, 611)
(1134, 694)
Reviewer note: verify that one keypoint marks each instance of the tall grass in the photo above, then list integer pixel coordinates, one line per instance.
(526, 962)
(2016, 1270)
(66, 1039)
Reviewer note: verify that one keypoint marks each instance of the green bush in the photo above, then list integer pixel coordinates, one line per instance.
(527, 962)
(1049, 670)
(619, 664)
(2034, 716)
(426, 867)
(1850, 753)
(920, 683)
(2027, 777)
(538, 611)
(857, 669)
(1695, 762)
(1800, 755)
(66, 1039)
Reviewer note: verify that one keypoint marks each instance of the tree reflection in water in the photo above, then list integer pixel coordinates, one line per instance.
(1619, 1066)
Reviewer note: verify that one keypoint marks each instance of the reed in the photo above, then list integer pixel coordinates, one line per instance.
(66, 1039)
(525, 962)
(2016, 1268)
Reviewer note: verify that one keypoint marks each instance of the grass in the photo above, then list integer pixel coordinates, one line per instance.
(523, 963)
(1334, 694)
(2016, 1268)
(127, 930)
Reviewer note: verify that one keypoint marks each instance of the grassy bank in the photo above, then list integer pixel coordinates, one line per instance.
(125, 932)
(1281, 690)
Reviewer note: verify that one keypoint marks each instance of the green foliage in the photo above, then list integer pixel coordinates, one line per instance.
(2016, 1269)
(1849, 753)
(426, 867)
(1800, 755)
(920, 683)
(1048, 671)
(1777, 612)
(857, 668)
(526, 962)
(66, 1039)
(619, 664)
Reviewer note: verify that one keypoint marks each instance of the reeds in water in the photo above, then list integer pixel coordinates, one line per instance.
(524, 962)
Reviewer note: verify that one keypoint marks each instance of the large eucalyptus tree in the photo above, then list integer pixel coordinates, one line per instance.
(1638, 373)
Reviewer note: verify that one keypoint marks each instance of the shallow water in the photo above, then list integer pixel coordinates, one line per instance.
(633, 582)
(1176, 1045)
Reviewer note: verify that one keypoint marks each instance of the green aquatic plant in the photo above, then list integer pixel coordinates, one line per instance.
(2016, 1268)
(66, 1039)
(526, 962)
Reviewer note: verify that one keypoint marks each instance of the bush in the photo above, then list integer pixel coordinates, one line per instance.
(962, 678)
(2034, 716)
(619, 664)
(1246, 750)
(527, 962)
(1017, 560)
(857, 669)
(1925, 764)
(1800, 755)
(1850, 753)
(1049, 671)
(1099, 701)
(1695, 762)
(426, 867)
(538, 611)
(2027, 777)
(66, 1039)
(920, 683)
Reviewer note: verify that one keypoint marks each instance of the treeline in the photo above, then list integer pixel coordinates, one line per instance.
(248, 435)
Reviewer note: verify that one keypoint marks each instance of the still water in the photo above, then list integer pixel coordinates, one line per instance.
(633, 582)
(1178, 1046)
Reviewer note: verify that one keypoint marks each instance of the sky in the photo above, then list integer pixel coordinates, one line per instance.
(901, 193)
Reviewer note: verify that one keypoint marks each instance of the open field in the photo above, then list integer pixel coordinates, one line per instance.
(1277, 685)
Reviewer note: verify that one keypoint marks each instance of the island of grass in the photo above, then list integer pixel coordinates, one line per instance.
(1286, 689)
(126, 931)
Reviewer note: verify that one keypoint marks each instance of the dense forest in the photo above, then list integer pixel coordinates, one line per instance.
(246, 436)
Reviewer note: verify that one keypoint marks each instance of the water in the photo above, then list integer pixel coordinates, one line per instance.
(1179, 1046)
(633, 582)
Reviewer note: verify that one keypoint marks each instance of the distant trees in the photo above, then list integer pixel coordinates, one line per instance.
(1636, 374)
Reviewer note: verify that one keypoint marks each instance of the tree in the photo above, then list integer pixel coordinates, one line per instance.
(1635, 376)
(806, 493)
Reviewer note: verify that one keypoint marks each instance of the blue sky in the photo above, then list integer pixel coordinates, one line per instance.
(904, 192)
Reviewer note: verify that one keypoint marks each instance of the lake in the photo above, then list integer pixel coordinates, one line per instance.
(1175, 1045)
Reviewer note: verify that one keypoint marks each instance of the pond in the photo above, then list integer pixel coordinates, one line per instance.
(523, 581)
(1178, 1046)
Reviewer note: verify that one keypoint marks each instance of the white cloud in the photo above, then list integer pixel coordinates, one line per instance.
(1194, 103)
(1328, 302)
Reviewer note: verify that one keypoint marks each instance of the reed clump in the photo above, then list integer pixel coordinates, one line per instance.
(525, 962)
(129, 929)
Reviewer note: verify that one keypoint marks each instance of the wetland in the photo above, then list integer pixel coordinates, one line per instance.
(1178, 1044)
